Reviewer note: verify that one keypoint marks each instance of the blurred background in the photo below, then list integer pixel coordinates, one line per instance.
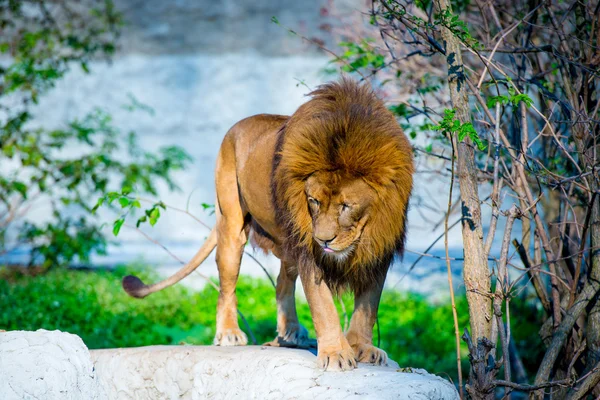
(183, 73)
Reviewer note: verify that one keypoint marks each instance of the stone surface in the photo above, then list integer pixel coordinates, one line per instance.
(252, 372)
(55, 365)
(45, 365)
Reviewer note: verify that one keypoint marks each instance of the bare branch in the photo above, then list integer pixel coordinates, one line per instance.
(451, 286)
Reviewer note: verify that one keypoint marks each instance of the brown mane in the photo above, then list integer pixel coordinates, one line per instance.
(347, 131)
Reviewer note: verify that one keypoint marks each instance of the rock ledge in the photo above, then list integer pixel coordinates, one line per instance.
(56, 365)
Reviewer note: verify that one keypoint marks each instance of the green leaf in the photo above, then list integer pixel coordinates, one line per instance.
(470, 131)
(21, 188)
(124, 202)
(451, 126)
(8, 150)
(140, 221)
(516, 99)
(112, 196)
(98, 204)
(117, 226)
(458, 28)
(154, 216)
(493, 100)
(400, 110)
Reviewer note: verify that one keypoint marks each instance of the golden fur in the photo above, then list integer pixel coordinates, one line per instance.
(325, 190)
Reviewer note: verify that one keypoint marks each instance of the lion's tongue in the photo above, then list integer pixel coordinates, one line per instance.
(328, 250)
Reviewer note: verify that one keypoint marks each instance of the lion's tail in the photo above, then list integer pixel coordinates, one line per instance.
(136, 288)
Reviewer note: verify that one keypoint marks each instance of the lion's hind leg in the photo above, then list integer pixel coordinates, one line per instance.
(232, 236)
(289, 331)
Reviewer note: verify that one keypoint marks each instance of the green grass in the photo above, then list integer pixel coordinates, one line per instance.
(92, 305)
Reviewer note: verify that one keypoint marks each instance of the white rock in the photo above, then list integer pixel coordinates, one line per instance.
(55, 365)
(45, 365)
(252, 372)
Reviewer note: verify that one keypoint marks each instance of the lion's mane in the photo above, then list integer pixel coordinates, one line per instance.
(347, 131)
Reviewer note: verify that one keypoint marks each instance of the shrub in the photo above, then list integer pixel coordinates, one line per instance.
(91, 304)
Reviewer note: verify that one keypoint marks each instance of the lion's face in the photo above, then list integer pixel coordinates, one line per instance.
(339, 207)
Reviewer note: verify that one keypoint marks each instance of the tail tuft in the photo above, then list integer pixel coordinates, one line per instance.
(134, 286)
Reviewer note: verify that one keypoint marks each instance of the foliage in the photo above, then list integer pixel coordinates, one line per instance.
(63, 168)
(44, 39)
(361, 55)
(414, 331)
(449, 125)
(458, 27)
(128, 205)
(513, 98)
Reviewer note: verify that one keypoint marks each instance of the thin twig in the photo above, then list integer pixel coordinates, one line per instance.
(425, 253)
(204, 224)
(578, 265)
(261, 266)
(449, 268)
(495, 198)
(527, 388)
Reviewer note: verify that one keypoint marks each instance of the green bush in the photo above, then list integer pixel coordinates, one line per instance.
(91, 304)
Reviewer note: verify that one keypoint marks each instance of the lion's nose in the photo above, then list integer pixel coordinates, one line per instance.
(326, 239)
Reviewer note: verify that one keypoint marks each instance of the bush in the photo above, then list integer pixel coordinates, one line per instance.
(91, 304)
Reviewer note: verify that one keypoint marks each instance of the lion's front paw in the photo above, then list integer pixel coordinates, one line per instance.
(336, 359)
(368, 353)
(230, 337)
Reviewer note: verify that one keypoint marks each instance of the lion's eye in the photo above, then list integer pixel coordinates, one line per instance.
(313, 201)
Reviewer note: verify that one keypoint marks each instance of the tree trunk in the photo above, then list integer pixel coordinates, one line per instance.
(476, 272)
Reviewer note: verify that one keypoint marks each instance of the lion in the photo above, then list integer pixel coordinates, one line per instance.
(326, 191)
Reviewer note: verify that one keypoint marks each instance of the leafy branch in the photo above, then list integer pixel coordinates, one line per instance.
(450, 125)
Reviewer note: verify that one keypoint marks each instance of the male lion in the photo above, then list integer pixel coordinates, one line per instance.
(326, 191)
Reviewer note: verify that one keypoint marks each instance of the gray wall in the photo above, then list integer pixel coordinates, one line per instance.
(211, 26)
